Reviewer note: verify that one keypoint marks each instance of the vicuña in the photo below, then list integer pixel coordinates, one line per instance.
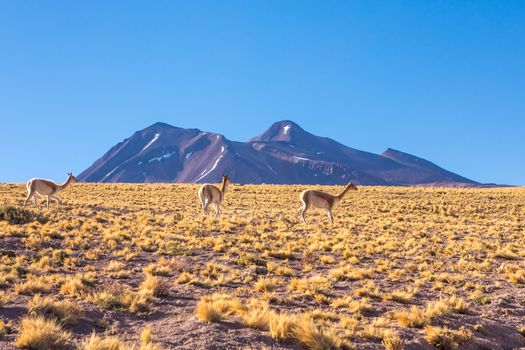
(48, 189)
(210, 194)
(322, 200)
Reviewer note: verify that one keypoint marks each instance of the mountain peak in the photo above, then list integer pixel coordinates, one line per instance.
(286, 123)
(393, 153)
(284, 130)
(159, 126)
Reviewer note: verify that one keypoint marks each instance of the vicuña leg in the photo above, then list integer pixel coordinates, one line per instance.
(329, 214)
(56, 200)
(302, 211)
(204, 208)
(217, 211)
(28, 198)
(36, 202)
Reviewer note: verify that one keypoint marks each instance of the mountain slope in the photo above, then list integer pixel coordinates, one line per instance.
(422, 164)
(163, 153)
(285, 154)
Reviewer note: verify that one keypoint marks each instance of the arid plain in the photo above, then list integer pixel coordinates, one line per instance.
(123, 266)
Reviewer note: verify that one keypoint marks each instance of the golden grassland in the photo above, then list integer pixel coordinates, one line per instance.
(122, 266)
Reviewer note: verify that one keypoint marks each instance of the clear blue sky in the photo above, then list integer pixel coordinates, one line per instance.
(444, 80)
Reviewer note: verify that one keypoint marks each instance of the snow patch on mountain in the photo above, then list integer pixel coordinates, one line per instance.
(155, 138)
(214, 165)
(164, 156)
(109, 174)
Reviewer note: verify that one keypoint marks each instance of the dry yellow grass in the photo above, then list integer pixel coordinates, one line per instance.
(65, 312)
(95, 342)
(5, 329)
(208, 311)
(38, 333)
(397, 259)
(447, 339)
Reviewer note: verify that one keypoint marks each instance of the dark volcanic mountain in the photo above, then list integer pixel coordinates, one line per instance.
(284, 154)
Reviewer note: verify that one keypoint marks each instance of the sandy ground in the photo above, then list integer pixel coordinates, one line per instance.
(494, 325)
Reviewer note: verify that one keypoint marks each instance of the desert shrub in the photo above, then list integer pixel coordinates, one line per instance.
(20, 216)
(215, 307)
(154, 286)
(414, 318)
(138, 303)
(446, 339)
(419, 318)
(249, 259)
(173, 248)
(308, 334)
(146, 340)
(39, 333)
(107, 300)
(393, 342)
(5, 329)
(95, 342)
(257, 317)
(4, 298)
(207, 311)
(34, 285)
(281, 325)
(64, 312)
(76, 286)
(265, 284)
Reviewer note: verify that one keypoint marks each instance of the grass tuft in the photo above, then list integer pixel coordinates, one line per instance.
(39, 333)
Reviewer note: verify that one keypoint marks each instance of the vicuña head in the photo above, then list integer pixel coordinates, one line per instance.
(351, 186)
(71, 177)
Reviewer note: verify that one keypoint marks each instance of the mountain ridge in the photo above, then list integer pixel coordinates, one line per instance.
(283, 154)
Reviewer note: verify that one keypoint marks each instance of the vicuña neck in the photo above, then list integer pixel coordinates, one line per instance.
(65, 184)
(224, 185)
(342, 194)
